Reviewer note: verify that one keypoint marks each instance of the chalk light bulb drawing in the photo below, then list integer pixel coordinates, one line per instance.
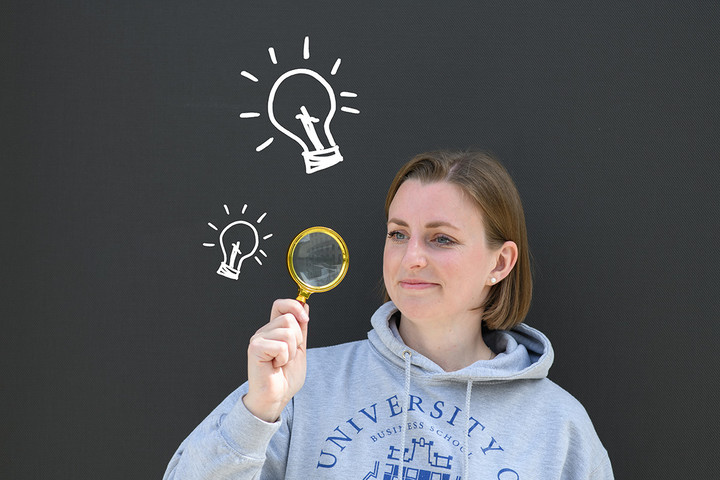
(239, 240)
(319, 156)
(236, 237)
(304, 127)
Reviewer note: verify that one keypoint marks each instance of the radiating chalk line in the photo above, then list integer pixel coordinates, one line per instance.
(264, 145)
(249, 76)
(335, 67)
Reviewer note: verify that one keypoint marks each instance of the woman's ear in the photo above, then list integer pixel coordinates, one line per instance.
(505, 260)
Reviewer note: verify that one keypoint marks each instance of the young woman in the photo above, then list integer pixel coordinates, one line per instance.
(449, 385)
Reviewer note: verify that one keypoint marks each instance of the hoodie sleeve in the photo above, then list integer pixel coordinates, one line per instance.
(603, 471)
(585, 456)
(231, 443)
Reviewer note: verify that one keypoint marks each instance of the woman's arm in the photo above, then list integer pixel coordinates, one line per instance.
(231, 443)
(234, 440)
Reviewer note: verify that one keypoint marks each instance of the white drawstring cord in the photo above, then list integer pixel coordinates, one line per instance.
(468, 394)
(407, 356)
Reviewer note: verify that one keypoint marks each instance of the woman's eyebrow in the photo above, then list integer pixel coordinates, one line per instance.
(397, 222)
(440, 223)
(434, 224)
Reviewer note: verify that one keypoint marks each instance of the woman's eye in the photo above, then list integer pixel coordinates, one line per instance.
(443, 240)
(395, 235)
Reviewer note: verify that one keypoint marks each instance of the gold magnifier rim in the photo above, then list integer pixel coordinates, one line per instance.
(345, 259)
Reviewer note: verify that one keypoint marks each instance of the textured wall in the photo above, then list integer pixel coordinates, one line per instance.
(129, 127)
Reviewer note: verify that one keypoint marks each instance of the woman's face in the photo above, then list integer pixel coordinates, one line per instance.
(436, 263)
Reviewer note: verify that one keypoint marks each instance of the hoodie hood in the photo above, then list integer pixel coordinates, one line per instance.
(522, 352)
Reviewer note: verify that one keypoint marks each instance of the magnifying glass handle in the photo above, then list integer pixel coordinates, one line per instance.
(302, 296)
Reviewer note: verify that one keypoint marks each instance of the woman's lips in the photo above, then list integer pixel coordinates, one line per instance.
(416, 284)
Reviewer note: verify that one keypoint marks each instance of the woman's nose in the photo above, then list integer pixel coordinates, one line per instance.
(415, 255)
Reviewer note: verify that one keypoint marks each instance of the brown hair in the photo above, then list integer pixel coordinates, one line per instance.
(487, 182)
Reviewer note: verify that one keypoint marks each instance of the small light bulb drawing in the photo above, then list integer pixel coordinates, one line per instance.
(239, 240)
(248, 237)
(304, 127)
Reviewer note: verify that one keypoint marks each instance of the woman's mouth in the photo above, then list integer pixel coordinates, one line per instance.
(413, 284)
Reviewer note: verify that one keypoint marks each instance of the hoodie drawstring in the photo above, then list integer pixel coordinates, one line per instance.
(468, 394)
(407, 356)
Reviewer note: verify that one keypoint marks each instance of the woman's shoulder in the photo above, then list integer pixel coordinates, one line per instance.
(339, 364)
(544, 406)
(563, 415)
(336, 353)
(552, 398)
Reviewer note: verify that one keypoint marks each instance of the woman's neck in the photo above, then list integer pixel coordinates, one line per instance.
(451, 344)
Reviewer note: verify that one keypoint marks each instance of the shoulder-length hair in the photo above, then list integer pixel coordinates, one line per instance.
(489, 185)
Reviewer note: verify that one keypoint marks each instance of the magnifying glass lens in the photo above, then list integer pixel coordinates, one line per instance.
(317, 260)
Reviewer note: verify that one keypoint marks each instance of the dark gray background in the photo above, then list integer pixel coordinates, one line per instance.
(121, 139)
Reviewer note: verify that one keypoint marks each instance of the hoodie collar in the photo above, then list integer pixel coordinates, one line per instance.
(522, 352)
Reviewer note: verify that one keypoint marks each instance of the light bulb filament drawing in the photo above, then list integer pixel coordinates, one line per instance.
(239, 240)
(318, 153)
(307, 123)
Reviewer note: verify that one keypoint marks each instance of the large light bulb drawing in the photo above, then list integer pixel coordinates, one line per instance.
(239, 240)
(319, 156)
(307, 122)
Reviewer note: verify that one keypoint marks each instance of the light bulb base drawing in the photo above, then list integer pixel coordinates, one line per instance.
(227, 271)
(319, 159)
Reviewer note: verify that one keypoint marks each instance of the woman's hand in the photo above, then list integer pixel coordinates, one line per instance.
(276, 360)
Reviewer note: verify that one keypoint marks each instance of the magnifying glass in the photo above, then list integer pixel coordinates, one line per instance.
(317, 260)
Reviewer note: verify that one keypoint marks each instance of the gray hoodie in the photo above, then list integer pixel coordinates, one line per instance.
(375, 409)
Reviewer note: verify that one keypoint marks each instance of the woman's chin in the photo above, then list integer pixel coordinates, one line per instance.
(417, 307)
